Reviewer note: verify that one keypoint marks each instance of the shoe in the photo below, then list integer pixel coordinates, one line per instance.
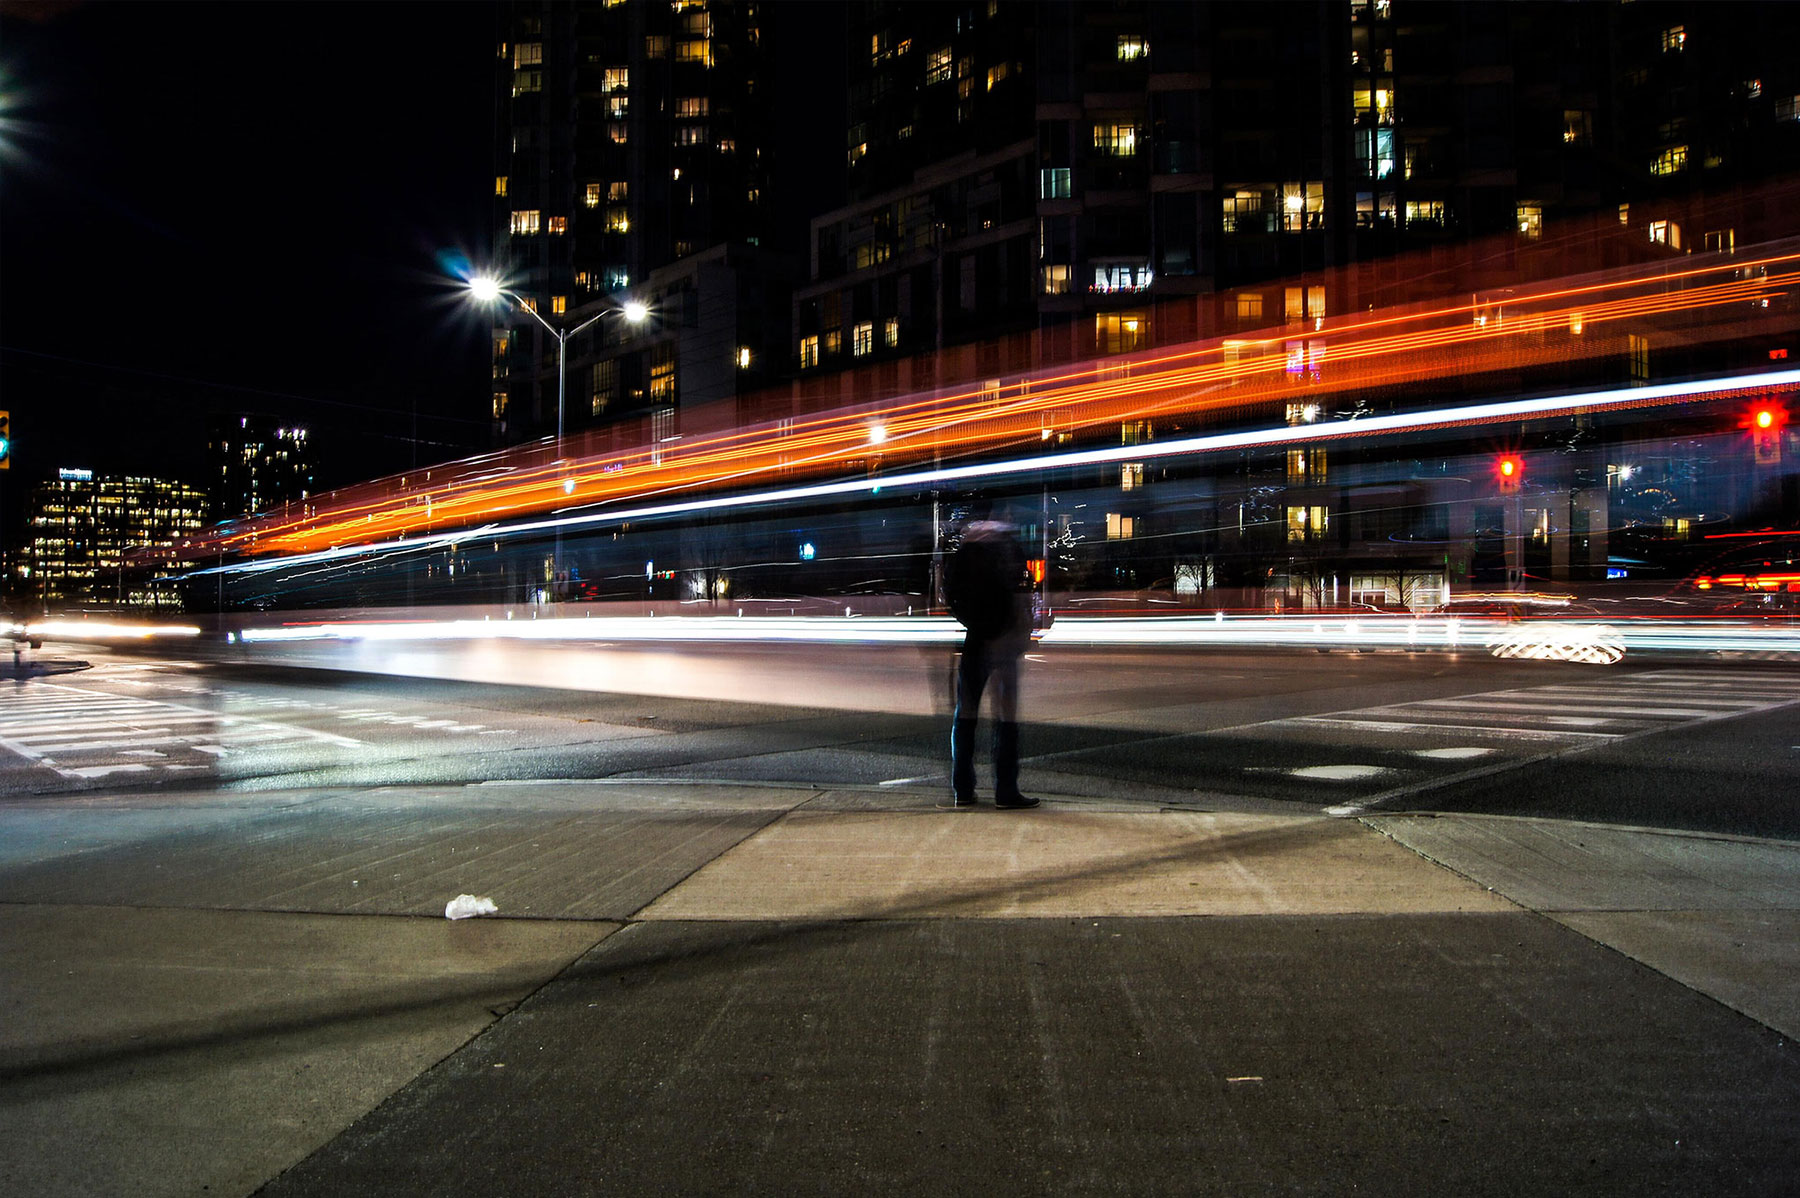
(1016, 803)
(957, 802)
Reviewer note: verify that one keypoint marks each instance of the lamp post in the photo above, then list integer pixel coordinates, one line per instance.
(487, 290)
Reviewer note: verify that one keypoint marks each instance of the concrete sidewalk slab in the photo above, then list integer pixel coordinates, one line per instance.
(1719, 914)
(1055, 862)
(172, 1052)
(1393, 1055)
(554, 853)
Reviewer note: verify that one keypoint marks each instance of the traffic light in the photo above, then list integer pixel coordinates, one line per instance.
(5, 440)
(1765, 420)
(1509, 468)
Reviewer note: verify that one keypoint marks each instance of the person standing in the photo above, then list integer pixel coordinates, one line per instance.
(986, 584)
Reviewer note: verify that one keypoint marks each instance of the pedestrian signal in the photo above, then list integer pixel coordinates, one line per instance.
(1510, 469)
(1766, 422)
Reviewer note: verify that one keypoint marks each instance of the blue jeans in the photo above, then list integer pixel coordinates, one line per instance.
(984, 661)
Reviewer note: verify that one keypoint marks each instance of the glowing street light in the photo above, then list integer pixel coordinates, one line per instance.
(485, 289)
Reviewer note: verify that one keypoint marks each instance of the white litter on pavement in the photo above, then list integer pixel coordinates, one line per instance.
(465, 905)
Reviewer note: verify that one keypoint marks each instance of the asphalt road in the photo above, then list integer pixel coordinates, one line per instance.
(1704, 747)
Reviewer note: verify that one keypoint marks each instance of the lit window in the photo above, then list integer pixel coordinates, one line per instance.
(996, 73)
(618, 220)
(834, 342)
(1054, 183)
(1788, 108)
(1752, 88)
(937, 66)
(559, 304)
(590, 195)
(1530, 221)
(1131, 476)
(1372, 105)
(1721, 241)
(1424, 212)
(1120, 528)
(618, 106)
(809, 352)
(727, 145)
(527, 81)
(1122, 276)
(1132, 47)
(743, 357)
(691, 135)
(605, 385)
(528, 54)
(618, 131)
(1669, 161)
(1624, 214)
(1578, 127)
(1117, 140)
(1637, 351)
(890, 332)
(656, 45)
(862, 338)
(1302, 206)
(695, 51)
(1666, 232)
(691, 106)
(500, 185)
(499, 404)
(617, 191)
(1056, 280)
(557, 224)
(1303, 303)
(1674, 39)
(525, 221)
(1307, 523)
(616, 79)
(1249, 306)
(1121, 332)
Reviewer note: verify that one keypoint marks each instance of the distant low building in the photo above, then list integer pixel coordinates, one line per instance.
(85, 533)
(256, 464)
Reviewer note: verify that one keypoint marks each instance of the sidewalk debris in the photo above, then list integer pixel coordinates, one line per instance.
(465, 905)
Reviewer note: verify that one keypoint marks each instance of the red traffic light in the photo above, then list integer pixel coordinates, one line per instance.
(1764, 417)
(1509, 469)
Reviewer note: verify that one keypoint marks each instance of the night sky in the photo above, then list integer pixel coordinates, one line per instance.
(241, 207)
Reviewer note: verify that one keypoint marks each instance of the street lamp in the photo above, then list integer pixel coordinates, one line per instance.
(486, 290)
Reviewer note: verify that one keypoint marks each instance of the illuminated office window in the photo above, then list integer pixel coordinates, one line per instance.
(937, 66)
(996, 73)
(1132, 47)
(526, 220)
(1674, 39)
(590, 195)
(809, 352)
(862, 338)
(1120, 528)
(692, 106)
(1249, 306)
(1666, 232)
(615, 79)
(500, 185)
(1307, 523)
(1131, 476)
(525, 82)
(559, 304)
(1670, 161)
(1530, 221)
(1056, 280)
(557, 224)
(1115, 139)
(1578, 127)
(1121, 332)
(528, 54)
(890, 332)
(1054, 183)
(618, 220)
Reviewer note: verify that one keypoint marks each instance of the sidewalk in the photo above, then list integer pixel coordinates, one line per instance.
(701, 988)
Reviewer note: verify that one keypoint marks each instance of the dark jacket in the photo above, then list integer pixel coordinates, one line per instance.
(985, 584)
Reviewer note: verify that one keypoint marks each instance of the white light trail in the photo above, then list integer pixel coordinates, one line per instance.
(1437, 418)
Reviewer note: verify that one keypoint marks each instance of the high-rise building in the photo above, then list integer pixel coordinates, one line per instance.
(632, 143)
(256, 464)
(87, 537)
(1112, 177)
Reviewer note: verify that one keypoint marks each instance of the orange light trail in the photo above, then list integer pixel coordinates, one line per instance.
(1203, 381)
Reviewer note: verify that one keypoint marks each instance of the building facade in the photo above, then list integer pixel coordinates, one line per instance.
(256, 464)
(91, 539)
(633, 139)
